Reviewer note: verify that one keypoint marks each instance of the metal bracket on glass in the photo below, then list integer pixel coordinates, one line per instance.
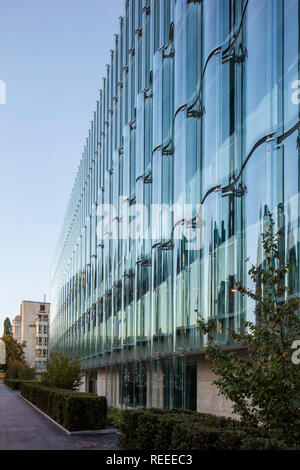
(233, 57)
(148, 179)
(139, 32)
(196, 113)
(167, 246)
(131, 52)
(270, 138)
(193, 223)
(132, 201)
(240, 192)
(168, 51)
(237, 32)
(145, 263)
(120, 150)
(146, 9)
(117, 285)
(148, 94)
(170, 55)
(168, 152)
(128, 276)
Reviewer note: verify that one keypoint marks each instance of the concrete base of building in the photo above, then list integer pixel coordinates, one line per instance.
(196, 388)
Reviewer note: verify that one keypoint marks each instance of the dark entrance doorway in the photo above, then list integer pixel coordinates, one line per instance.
(191, 387)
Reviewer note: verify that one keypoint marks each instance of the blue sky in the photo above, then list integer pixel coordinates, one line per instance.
(52, 58)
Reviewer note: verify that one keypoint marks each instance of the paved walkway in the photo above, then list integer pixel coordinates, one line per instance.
(24, 428)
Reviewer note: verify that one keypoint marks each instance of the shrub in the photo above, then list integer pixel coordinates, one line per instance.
(199, 437)
(113, 416)
(62, 372)
(251, 443)
(16, 384)
(20, 370)
(13, 384)
(180, 430)
(74, 411)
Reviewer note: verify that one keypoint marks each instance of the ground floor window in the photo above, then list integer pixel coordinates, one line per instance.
(164, 383)
(133, 386)
(91, 382)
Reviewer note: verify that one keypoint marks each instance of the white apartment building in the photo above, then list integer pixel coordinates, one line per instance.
(32, 326)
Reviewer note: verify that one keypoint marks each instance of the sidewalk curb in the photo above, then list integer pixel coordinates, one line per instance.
(70, 433)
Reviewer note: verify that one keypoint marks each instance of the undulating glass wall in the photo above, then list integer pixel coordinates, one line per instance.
(199, 110)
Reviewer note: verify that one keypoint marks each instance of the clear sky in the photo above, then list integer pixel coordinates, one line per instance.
(52, 58)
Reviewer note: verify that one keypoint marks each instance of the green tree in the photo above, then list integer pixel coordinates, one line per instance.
(7, 327)
(14, 350)
(263, 385)
(20, 370)
(62, 371)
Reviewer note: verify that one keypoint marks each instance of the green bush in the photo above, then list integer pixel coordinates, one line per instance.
(263, 444)
(113, 415)
(74, 411)
(16, 384)
(62, 371)
(20, 370)
(181, 430)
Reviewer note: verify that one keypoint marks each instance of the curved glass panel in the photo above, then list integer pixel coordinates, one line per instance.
(200, 108)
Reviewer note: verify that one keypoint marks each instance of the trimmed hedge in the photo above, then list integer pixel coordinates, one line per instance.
(181, 430)
(73, 410)
(16, 383)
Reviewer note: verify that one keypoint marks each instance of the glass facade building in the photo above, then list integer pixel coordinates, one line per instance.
(199, 108)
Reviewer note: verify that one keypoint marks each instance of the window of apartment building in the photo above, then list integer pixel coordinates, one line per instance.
(43, 317)
(43, 341)
(41, 353)
(42, 308)
(17, 331)
(41, 365)
(43, 329)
